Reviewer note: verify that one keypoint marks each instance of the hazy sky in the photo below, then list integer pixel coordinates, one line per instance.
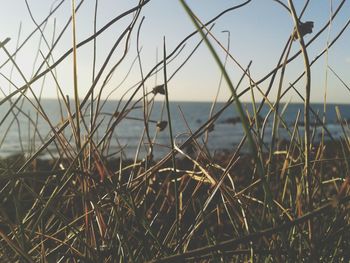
(258, 33)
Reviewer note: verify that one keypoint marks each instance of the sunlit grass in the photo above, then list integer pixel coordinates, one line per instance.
(284, 200)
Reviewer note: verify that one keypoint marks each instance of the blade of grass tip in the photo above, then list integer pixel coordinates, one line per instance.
(220, 82)
(239, 108)
(275, 124)
(146, 109)
(75, 79)
(93, 79)
(307, 97)
(326, 86)
(306, 118)
(255, 112)
(289, 156)
(171, 141)
(339, 78)
(54, 71)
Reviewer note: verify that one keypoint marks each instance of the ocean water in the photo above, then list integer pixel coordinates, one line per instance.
(22, 129)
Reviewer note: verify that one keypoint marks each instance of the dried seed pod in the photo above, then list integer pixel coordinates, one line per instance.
(304, 28)
(161, 125)
(159, 89)
(211, 127)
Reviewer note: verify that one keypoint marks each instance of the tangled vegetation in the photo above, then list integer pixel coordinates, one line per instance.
(283, 201)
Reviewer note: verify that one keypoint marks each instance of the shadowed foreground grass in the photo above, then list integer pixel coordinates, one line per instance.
(221, 210)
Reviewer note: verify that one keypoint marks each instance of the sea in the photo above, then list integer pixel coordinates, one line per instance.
(23, 130)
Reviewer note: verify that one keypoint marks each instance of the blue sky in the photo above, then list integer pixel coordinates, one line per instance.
(258, 32)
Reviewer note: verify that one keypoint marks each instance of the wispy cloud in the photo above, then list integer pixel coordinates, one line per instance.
(347, 60)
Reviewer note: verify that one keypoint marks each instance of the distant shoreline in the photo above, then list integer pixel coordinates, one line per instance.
(207, 101)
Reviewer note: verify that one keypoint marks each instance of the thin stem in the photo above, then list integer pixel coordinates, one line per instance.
(174, 177)
(307, 170)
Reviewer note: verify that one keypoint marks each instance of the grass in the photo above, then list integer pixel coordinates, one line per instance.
(283, 201)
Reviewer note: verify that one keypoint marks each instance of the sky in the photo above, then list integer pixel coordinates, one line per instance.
(258, 33)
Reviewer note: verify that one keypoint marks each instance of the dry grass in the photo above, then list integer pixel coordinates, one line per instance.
(289, 203)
